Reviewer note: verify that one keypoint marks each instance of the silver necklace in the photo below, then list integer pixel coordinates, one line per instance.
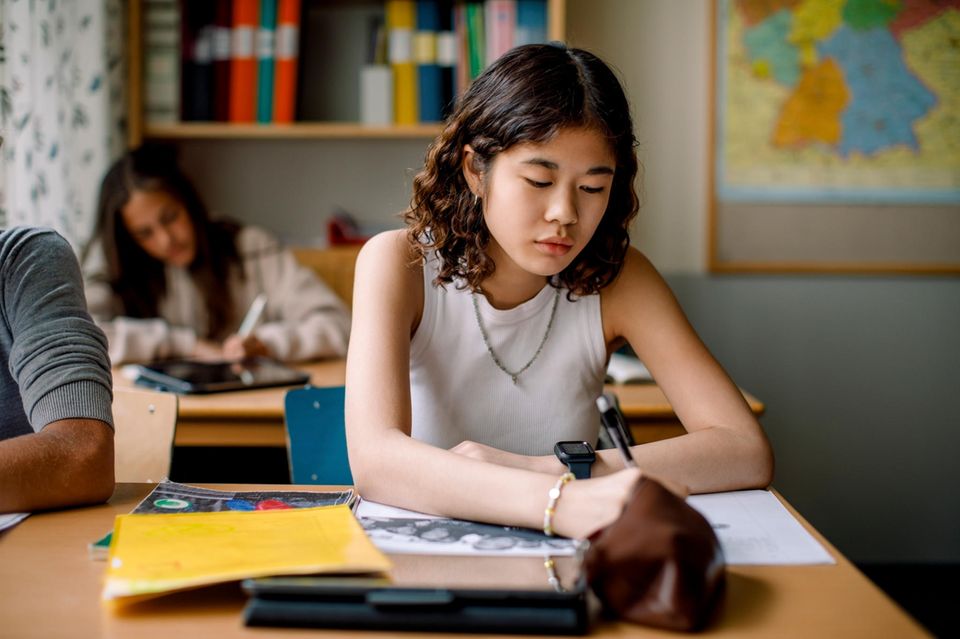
(486, 338)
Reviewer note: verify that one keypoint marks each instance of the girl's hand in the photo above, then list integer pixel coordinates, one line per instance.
(587, 505)
(237, 348)
(542, 464)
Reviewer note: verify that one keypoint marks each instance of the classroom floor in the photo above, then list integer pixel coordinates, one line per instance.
(929, 592)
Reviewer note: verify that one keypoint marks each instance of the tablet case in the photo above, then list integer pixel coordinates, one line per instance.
(412, 604)
(195, 377)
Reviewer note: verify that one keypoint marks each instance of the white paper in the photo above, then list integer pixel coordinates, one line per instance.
(754, 528)
(9, 520)
(395, 530)
(625, 369)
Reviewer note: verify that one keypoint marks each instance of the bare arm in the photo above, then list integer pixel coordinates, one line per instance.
(725, 447)
(70, 462)
(391, 467)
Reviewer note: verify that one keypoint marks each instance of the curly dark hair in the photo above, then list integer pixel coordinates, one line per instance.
(137, 278)
(527, 95)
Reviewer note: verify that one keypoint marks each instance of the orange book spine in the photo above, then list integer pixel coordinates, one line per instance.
(285, 61)
(243, 61)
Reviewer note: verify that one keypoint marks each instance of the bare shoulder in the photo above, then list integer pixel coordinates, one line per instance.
(638, 292)
(389, 254)
(388, 275)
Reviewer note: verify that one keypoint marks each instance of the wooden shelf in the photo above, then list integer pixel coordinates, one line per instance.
(298, 130)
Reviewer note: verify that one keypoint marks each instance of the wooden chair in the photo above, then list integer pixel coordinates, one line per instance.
(316, 441)
(334, 265)
(144, 426)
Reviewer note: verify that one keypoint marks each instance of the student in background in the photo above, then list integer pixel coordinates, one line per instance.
(56, 424)
(164, 280)
(483, 330)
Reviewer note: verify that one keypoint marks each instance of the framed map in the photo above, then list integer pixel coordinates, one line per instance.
(836, 135)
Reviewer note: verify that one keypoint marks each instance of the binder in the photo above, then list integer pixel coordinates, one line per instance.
(531, 22)
(434, 593)
(400, 25)
(222, 23)
(429, 79)
(196, 62)
(243, 61)
(501, 16)
(266, 45)
(285, 61)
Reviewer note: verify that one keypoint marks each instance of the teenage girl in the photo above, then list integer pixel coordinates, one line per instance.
(164, 280)
(481, 333)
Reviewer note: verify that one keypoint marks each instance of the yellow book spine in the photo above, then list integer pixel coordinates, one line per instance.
(401, 21)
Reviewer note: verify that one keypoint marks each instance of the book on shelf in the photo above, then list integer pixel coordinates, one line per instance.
(266, 47)
(401, 21)
(196, 60)
(376, 77)
(285, 61)
(221, 36)
(429, 81)
(531, 20)
(161, 56)
(501, 18)
(243, 61)
(476, 39)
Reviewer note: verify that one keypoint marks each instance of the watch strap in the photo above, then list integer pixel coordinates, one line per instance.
(580, 469)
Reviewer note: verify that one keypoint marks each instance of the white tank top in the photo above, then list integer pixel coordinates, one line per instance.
(458, 393)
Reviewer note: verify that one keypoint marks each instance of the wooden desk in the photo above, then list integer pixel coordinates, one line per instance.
(255, 417)
(49, 587)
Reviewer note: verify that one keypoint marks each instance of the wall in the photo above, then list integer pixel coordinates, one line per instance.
(860, 374)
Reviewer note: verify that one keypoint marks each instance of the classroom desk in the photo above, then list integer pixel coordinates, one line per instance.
(49, 587)
(255, 417)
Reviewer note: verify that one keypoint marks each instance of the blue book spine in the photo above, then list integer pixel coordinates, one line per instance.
(266, 45)
(531, 22)
(429, 74)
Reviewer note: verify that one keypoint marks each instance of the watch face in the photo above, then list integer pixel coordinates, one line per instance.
(576, 448)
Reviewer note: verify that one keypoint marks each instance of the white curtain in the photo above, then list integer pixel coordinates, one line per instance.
(63, 110)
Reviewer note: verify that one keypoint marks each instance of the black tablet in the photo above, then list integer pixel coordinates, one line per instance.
(191, 376)
(439, 593)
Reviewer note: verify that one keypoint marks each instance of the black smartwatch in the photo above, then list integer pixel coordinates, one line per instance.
(578, 456)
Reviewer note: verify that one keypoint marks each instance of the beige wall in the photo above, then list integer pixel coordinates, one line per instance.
(661, 49)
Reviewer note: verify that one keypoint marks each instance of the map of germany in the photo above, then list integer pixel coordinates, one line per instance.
(839, 99)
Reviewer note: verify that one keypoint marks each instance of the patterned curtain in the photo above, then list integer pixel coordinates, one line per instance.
(63, 110)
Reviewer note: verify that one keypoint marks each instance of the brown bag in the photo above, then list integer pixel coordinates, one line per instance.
(659, 564)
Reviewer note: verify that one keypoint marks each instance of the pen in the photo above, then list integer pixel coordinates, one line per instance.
(253, 315)
(614, 423)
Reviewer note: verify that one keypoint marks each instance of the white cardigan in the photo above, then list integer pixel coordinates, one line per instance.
(303, 318)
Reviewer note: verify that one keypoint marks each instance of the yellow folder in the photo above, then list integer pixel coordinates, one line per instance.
(154, 554)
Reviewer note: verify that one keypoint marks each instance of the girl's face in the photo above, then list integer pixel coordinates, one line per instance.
(161, 226)
(544, 201)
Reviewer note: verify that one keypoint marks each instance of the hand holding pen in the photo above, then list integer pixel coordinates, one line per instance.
(244, 343)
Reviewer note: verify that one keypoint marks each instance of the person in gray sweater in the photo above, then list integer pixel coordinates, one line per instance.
(56, 423)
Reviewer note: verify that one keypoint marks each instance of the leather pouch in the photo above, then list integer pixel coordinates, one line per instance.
(659, 564)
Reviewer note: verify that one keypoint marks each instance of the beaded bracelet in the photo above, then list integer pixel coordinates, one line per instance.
(554, 496)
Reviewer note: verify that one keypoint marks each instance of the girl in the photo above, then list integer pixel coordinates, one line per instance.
(163, 280)
(483, 331)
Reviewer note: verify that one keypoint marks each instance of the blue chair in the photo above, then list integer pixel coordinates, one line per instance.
(316, 441)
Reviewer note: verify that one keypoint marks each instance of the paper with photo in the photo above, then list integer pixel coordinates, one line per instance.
(395, 530)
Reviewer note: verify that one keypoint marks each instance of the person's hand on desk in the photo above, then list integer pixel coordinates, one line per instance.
(238, 347)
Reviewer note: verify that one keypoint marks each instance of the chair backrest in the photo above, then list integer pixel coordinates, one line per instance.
(316, 440)
(144, 426)
(334, 265)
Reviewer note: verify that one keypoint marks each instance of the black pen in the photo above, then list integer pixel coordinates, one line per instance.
(616, 427)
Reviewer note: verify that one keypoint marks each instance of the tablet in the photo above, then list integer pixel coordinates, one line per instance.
(439, 593)
(191, 376)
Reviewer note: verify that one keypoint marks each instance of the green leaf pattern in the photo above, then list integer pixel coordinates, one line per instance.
(62, 109)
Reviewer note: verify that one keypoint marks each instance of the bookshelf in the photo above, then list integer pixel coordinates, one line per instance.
(140, 129)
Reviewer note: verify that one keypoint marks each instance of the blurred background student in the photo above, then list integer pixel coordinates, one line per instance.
(164, 280)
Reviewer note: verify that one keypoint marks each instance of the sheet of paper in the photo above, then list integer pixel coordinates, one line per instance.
(9, 520)
(754, 528)
(152, 554)
(173, 497)
(396, 530)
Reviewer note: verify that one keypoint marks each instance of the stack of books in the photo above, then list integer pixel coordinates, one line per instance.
(221, 61)
(435, 48)
(236, 60)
